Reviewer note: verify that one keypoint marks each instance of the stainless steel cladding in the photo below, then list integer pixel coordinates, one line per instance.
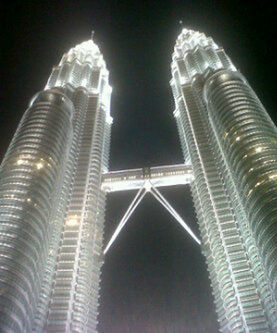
(54, 177)
(30, 180)
(52, 206)
(248, 139)
(231, 144)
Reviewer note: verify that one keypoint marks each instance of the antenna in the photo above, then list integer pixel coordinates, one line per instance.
(92, 34)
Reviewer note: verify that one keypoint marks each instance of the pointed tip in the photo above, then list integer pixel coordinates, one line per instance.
(92, 34)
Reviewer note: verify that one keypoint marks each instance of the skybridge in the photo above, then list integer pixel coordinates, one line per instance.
(146, 180)
(168, 175)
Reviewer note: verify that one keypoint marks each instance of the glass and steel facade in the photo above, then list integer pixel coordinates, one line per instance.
(52, 206)
(231, 144)
(54, 178)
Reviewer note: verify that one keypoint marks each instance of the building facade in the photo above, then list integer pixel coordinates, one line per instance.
(52, 191)
(231, 143)
(52, 206)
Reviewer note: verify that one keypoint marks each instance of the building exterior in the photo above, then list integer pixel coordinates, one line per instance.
(231, 143)
(54, 177)
(52, 206)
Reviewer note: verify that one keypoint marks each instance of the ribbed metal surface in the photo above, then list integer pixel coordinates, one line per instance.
(73, 282)
(260, 282)
(79, 99)
(30, 179)
(226, 255)
(80, 68)
(65, 278)
(52, 206)
(249, 142)
(242, 294)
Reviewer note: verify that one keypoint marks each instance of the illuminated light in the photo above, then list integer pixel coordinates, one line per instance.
(274, 176)
(72, 222)
(147, 186)
(183, 80)
(259, 183)
(19, 162)
(176, 113)
(259, 149)
(238, 138)
(29, 200)
(109, 119)
(39, 165)
(251, 169)
(84, 82)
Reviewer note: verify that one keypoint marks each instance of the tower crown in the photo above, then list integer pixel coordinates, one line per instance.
(82, 66)
(190, 39)
(86, 52)
(196, 54)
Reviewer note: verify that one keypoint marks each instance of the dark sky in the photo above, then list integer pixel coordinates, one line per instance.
(154, 278)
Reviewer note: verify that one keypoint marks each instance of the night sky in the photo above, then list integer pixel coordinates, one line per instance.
(154, 278)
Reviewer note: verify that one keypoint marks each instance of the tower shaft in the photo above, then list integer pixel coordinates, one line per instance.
(53, 210)
(241, 269)
(31, 177)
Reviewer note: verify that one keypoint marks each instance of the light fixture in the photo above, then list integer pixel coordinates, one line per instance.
(39, 165)
(72, 222)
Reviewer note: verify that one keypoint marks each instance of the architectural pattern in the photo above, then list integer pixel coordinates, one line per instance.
(231, 144)
(54, 179)
(52, 206)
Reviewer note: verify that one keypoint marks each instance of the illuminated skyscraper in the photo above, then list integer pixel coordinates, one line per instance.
(54, 177)
(231, 143)
(52, 207)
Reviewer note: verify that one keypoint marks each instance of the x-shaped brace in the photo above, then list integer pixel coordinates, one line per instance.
(148, 187)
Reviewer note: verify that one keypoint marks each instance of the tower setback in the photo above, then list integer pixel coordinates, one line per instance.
(231, 144)
(52, 206)
(54, 178)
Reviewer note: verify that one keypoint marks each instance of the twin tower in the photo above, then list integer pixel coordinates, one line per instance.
(54, 179)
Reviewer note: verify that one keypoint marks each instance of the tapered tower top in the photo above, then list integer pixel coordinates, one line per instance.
(196, 54)
(189, 39)
(85, 52)
(83, 66)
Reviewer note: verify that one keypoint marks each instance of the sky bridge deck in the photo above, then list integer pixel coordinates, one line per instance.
(167, 175)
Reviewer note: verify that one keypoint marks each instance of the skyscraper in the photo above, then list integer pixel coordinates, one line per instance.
(231, 143)
(52, 207)
(54, 177)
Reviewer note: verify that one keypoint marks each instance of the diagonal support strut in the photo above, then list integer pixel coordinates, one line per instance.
(157, 194)
(139, 196)
(149, 187)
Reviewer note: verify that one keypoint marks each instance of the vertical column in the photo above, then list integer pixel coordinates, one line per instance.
(248, 139)
(30, 179)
